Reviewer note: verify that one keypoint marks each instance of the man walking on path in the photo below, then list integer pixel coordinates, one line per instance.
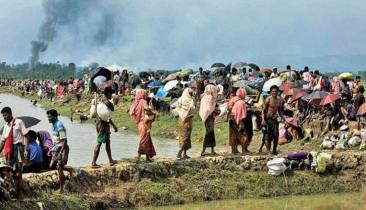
(272, 107)
(60, 150)
(12, 145)
(104, 133)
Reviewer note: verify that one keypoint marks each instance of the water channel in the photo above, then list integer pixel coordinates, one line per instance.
(82, 136)
(352, 201)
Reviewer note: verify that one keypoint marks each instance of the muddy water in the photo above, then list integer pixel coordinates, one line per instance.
(82, 136)
(318, 202)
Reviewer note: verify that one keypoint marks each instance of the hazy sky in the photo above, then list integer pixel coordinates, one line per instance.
(173, 34)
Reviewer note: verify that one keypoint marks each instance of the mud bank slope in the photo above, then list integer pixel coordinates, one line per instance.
(168, 182)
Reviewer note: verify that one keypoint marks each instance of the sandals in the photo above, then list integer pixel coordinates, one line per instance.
(96, 166)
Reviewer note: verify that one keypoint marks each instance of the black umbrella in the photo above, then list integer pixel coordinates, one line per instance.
(101, 71)
(218, 65)
(315, 95)
(219, 69)
(254, 66)
(240, 64)
(177, 92)
(227, 69)
(298, 83)
(28, 122)
(207, 72)
(133, 81)
(302, 90)
(220, 80)
(144, 74)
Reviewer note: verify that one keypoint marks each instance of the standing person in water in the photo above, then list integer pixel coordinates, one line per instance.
(60, 150)
(104, 131)
(272, 107)
(185, 107)
(208, 110)
(139, 110)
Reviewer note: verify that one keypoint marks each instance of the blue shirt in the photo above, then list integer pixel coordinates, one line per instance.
(35, 152)
(58, 132)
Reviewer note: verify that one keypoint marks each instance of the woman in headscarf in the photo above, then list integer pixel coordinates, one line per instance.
(308, 78)
(336, 85)
(144, 124)
(238, 113)
(185, 108)
(208, 110)
(46, 144)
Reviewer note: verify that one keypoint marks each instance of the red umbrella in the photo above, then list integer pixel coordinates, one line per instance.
(362, 109)
(171, 77)
(262, 71)
(293, 121)
(285, 86)
(297, 96)
(331, 98)
(290, 92)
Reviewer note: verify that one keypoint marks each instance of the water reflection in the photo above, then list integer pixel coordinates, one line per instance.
(82, 136)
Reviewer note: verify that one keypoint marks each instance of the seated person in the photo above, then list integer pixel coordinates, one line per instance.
(33, 152)
(6, 192)
(46, 144)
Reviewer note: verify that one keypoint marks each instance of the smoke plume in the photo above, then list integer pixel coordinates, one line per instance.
(87, 17)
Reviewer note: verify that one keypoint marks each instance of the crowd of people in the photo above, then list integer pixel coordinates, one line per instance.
(242, 99)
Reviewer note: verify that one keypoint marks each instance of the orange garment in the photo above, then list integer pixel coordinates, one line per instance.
(237, 106)
(137, 109)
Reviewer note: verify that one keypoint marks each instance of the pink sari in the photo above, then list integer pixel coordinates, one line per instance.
(137, 110)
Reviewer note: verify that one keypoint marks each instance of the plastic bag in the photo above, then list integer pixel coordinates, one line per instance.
(93, 110)
(321, 164)
(363, 144)
(276, 166)
(104, 113)
(354, 141)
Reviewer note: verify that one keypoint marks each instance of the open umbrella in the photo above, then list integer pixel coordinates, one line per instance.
(298, 96)
(28, 121)
(133, 81)
(285, 86)
(155, 84)
(240, 64)
(144, 74)
(161, 93)
(227, 68)
(170, 85)
(186, 72)
(274, 81)
(177, 92)
(254, 66)
(315, 95)
(290, 92)
(101, 71)
(331, 98)
(293, 121)
(171, 77)
(218, 65)
(361, 110)
(219, 69)
(303, 90)
(299, 83)
(262, 71)
(242, 83)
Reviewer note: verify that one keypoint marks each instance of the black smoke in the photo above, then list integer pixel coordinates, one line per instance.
(71, 15)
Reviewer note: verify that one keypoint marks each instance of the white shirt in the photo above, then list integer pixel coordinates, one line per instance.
(19, 131)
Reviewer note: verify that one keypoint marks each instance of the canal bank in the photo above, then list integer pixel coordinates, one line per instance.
(172, 182)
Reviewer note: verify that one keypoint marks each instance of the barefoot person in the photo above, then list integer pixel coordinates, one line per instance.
(185, 108)
(144, 124)
(12, 145)
(208, 110)
(238, 113)
(103, 130)
(272, 107)
(60, 150)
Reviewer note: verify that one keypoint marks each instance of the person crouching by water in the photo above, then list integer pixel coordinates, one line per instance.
(238, 113)
(185, 107)
(33, 153)
(60, 150)
(12, 145)
(139, 110)
(103, 130)
(272, 107)
(46, 144)
(208, 110)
